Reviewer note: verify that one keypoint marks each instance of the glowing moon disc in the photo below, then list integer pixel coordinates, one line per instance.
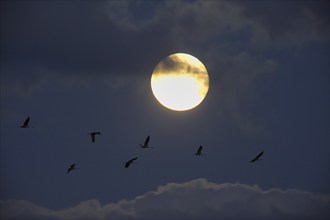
(180, 82)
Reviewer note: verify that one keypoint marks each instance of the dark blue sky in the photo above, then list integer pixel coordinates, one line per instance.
(80, 66)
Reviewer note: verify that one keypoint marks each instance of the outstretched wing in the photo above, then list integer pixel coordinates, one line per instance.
(71, 167)
(199, 151)
(146, 142)
(26, 122)
(93, 137)
(129, 162)
(257, 157)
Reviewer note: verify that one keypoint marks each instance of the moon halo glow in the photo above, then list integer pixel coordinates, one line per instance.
(180, 82)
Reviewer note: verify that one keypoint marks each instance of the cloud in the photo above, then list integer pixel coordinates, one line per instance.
(237, 79)
(91, 38)
(196, 199)
(292, 23)
(126, 37)
(117, 42)
(206, 23)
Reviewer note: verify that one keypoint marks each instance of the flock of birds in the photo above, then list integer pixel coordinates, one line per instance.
(144, 145)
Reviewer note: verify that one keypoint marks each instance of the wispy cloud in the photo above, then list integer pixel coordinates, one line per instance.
(196, 199)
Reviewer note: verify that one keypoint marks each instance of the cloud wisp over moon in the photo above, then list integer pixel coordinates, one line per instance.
(180, 82)
(195, 199)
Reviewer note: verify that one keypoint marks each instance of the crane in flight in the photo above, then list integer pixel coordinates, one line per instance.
(72, 167)
(127, 163)
(199, 151)
(26, 123)
(257, 157)
(146, 143)
(92, 134)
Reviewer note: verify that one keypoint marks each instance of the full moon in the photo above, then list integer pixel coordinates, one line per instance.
(180, 82)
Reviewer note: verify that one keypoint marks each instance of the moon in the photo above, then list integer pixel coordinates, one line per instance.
(180, 82)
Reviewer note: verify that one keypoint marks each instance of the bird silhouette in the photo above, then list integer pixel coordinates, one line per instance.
(26, 123)
(146, 142)
(92, 134)
(199, 151)
(127, 163)
(257, 157)
(72, 167)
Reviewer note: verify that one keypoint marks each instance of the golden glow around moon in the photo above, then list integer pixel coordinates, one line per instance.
(180, 82)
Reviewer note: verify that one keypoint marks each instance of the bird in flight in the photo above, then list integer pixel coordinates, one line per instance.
(72, 167)
(92, 134)
(257, 157)
(26, 123)
(199, 151)
(129, 162)
(146, 142)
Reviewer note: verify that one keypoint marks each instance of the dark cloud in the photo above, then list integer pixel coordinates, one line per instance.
(292, 23)
(102, 37)
(196, 199)
(176, 63)
(77, 41)
(240, 73)
(71, 38)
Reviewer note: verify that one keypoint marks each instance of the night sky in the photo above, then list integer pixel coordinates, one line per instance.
(75, 67)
